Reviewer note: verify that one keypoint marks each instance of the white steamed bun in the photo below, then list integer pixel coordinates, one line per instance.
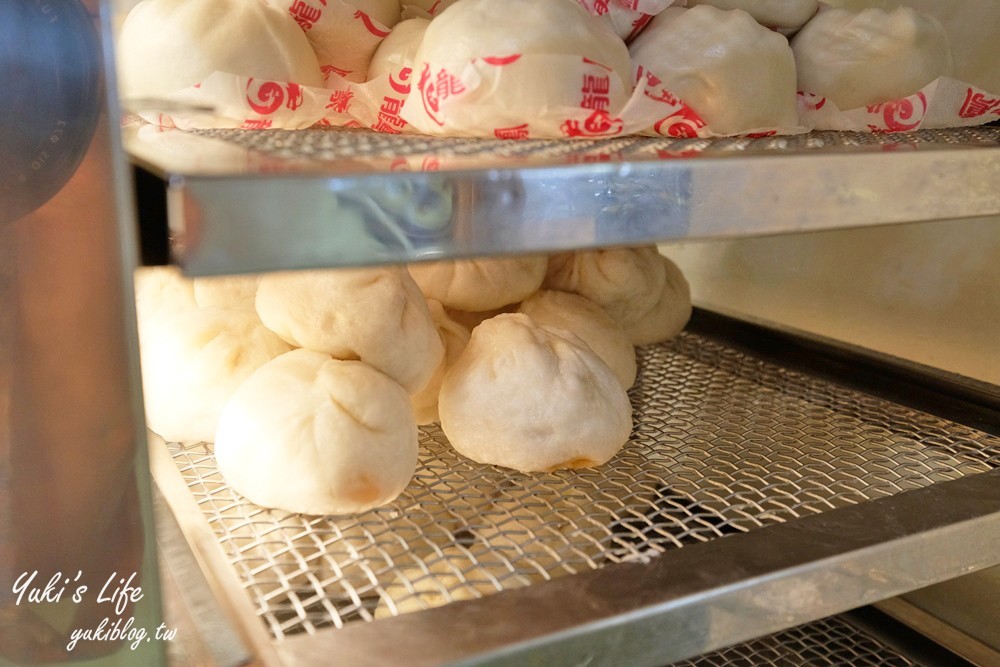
(226, 291)
(344, 35)
(591, 323)
(397, 51)
(533, 398)
(733, 72)
(477, 285)
(311, 434)
(784, 14)
(169, 45)
(377, 315)
(455, 337)
(193, 360)
(425, 9)
(478, 31)
(640, 288)
(860, 58)
(162, 288)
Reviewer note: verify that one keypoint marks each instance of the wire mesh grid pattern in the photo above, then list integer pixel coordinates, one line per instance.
(339, 144)
(828, 642)
(722, 443)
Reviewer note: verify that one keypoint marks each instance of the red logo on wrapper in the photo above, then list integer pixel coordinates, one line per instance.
(976, 104)
(500, 61)
(811, 101)
(652, 87)
(638, 25)
(251, 124)
(593, 158)
(895, 113)
(595, 95)
(295, 96)
(403, 85)
(683, 123)
(330, 69)
(370, 24)
(598, 124)
(596, 91)
(305, 15)
(340, 100)
(671, 155)
(437, 88)
(516, 132)
(388, 114)
(267, 97)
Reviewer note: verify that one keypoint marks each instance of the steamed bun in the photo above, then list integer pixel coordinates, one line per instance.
(476, 285)
(472, 319)
(377, 315)
(533, 398)
(162, 288)
(472, 33)
(397, 51)
(193, 360)
(226, 291)
(344, 35)
(591, 323)
(169, 45)
(311, 434)
(455, 337)
(784, 14)
(425, 9)
(640, 288)
(623, 19)
(733, 72)
(872, 56)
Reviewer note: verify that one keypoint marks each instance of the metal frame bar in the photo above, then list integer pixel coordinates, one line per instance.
(245, 212)
(692, 600)
(700, 598)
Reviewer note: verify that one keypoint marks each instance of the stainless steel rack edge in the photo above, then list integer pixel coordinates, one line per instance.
(682, 603)
(237, 203)
(645, 614)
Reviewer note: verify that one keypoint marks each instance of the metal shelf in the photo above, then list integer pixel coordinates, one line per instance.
(828, 642)
(247, 201)
(827, 498)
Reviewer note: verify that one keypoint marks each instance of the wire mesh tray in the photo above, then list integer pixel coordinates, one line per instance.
(724, 443)
(435, 153)
(829, 642)
(228, 201)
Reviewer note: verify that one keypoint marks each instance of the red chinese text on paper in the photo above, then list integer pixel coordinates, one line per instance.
(977, 104)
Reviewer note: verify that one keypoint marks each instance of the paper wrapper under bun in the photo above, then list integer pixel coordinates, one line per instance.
(343, 34)
(598, 105)
(943, 103)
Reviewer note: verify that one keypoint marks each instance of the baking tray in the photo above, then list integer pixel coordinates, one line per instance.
(751, 497)
(231, 201)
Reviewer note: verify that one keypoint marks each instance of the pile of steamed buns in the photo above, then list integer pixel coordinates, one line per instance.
(736, 63)
(312, 384)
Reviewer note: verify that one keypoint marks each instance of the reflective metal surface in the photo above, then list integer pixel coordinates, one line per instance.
(700, 598)
(78, 574)
(828, 642)
(252, 201)
(724, 445)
